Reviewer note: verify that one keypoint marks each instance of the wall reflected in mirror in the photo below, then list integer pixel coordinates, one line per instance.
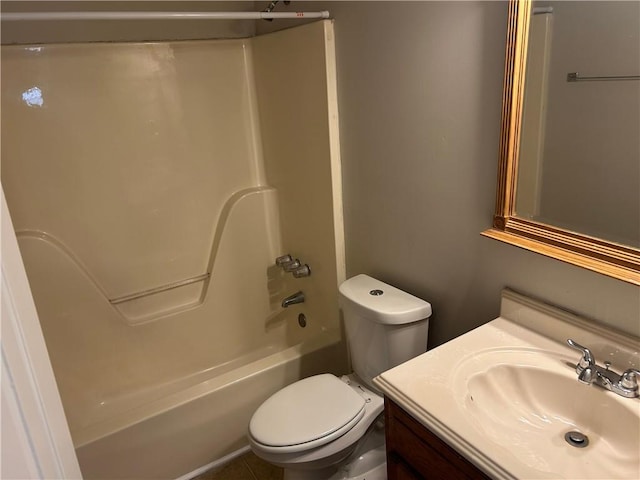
(579, 163)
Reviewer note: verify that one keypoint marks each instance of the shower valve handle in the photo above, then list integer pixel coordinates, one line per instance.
(291, 266)
(281, 261)
(303, 271)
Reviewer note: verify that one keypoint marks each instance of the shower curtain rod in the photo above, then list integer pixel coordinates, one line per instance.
(22, 16)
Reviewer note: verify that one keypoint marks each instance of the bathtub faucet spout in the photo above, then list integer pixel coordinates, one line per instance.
(297, 297)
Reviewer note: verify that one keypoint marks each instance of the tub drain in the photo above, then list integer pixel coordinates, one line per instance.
(576, 439)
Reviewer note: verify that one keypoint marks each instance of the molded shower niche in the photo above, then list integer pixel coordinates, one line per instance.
(151, 188)
(246, 239)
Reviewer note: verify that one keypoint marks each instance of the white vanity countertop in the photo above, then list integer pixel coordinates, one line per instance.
(509, 431)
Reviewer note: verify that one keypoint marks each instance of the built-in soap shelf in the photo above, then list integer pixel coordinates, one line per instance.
(138, 307)
(163, 301)
(251, 212)
(160, 289)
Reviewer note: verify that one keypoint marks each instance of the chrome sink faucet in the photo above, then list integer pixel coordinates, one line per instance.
(589, 372)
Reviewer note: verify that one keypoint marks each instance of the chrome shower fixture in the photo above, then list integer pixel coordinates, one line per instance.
(294, 266)
(291, 266)
(280, 261)
(302, 271)
(297, 297)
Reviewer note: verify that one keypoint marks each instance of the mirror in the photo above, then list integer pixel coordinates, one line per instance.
(581, 119)
(569, 170)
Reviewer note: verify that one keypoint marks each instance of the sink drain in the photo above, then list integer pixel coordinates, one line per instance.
(576, 439)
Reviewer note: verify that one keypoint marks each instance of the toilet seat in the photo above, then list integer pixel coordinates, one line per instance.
(307, 414)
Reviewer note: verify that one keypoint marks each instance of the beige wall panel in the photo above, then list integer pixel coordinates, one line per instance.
(128, 153)
(99, 360)
(136, 165)
(144, 168)
(298, 120)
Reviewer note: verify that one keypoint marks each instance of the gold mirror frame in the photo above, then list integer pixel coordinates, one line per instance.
(608, 258)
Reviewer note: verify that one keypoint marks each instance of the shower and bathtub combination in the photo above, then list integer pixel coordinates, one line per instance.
(152, 187)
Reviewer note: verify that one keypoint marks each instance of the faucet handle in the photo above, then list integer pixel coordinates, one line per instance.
(303, 271)
(587, 359)
(283, 259)
(291, 266)
(629, 379)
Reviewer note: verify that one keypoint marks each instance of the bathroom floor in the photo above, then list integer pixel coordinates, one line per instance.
(246, 467)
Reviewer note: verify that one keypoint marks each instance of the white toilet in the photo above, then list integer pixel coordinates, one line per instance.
(324, 427)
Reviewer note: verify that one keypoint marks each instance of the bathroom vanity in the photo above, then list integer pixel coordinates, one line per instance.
(414, 452)
(504, 401)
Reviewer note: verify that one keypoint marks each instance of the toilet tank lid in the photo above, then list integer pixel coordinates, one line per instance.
(392, 306)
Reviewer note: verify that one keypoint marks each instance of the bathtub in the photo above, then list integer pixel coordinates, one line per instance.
(197, 421)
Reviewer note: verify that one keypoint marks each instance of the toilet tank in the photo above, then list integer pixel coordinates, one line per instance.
(384, 325)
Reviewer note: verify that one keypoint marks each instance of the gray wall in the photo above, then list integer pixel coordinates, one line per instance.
(420, 87)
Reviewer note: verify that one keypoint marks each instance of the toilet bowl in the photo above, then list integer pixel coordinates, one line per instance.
(319, 427)
(326, 417)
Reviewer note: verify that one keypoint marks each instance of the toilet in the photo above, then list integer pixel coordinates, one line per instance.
(325, 427)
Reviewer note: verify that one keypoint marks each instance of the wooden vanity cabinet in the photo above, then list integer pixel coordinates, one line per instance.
(413, 452)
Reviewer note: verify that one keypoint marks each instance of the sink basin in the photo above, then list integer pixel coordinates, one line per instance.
(527, 400)
(506, 394)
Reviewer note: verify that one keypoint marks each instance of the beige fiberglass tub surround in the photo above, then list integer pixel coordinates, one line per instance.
(151, 187)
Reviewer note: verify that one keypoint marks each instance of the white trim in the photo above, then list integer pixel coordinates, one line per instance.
(28, 385)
